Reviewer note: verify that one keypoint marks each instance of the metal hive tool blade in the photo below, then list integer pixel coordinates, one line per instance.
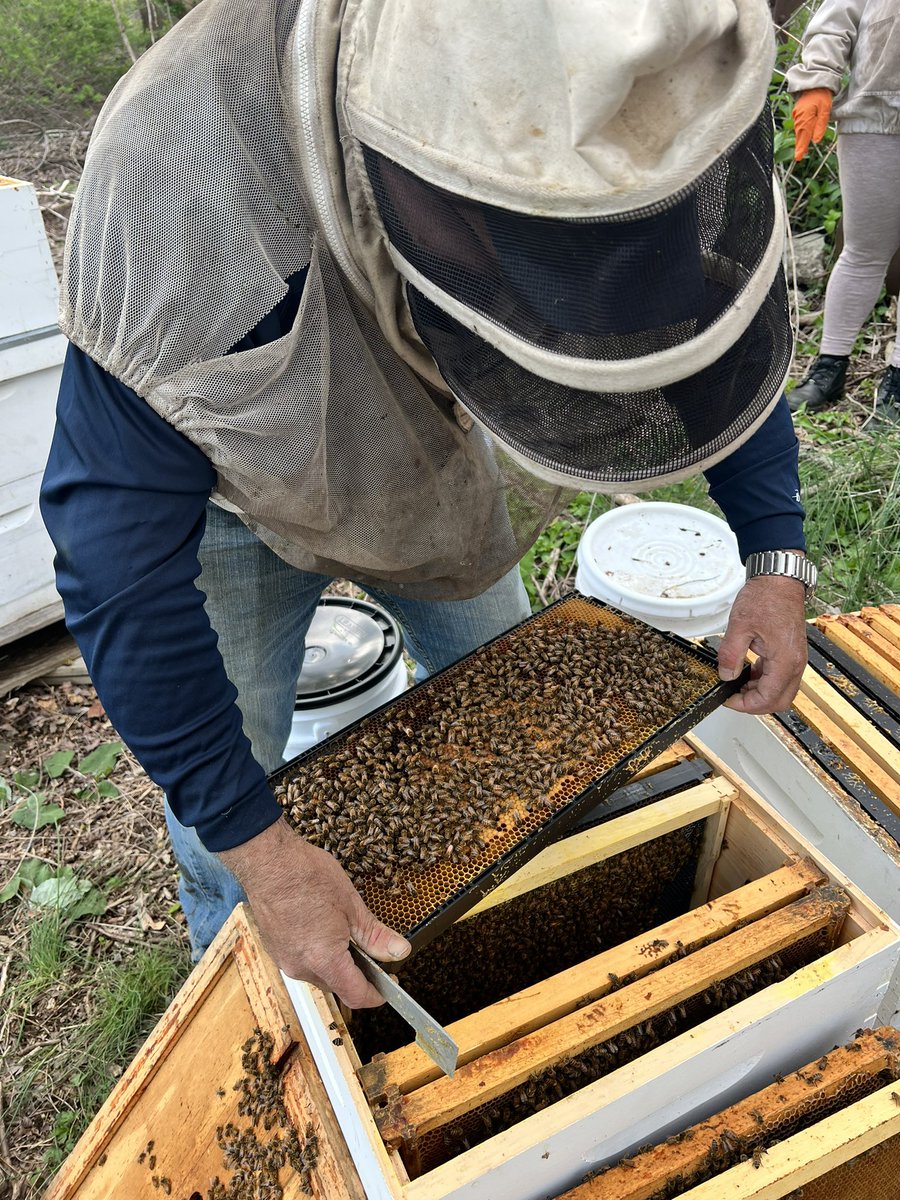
(433, 1039)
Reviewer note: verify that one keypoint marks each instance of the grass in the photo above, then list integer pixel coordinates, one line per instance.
(91, 945)
(125, 1000)
(128, 995)
(48, 955)
(851, 491)
(850, 481)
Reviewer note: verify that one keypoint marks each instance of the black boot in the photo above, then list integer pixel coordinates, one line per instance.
(823, 385)
(887, 398)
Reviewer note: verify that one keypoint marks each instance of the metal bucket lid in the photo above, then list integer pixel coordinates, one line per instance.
(350, 646)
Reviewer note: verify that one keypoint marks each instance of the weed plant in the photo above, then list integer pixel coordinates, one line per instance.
(60, 58)
(127, 998)
(851, 492)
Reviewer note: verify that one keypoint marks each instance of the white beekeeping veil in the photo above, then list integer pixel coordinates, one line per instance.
(571, 206)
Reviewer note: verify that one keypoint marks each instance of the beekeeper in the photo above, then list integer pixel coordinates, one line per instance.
(360, 288)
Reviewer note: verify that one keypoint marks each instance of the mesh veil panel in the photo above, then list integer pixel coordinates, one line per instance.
(612, 289)
(615, 438)
(621, 296)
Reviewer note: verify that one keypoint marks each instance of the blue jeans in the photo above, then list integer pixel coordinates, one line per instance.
(261, 607)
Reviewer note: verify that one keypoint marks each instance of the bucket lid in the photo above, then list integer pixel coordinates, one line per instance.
(663, 557)
(350, 646)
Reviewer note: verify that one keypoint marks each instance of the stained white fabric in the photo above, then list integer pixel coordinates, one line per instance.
(229, 158)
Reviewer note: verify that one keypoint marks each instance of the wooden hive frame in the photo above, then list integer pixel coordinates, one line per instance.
(862, 746)
(759, 1125)
(869, 637)
(180, 1089)
(828, 1149)
(745, 843)
(407, 1109)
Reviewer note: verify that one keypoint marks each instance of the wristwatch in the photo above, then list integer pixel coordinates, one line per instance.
(783, 562)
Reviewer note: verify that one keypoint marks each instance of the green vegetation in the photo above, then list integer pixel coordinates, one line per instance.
(60, 58)
(851, 492)
(70, 985)
(127, 998)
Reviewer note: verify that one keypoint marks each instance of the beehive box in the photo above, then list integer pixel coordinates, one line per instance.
(830, 1131)
(32, 350)
(180, 1120)
(717, 837)
(742, 841)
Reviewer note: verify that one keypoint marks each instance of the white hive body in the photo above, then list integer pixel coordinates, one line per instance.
(31, 355)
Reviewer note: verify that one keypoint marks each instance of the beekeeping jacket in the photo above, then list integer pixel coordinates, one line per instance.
(555, 242)
(852, 47)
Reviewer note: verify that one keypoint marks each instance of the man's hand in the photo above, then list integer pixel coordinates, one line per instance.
(767, 617)
(308, 911)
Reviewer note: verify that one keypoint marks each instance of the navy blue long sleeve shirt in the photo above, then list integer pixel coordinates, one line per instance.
(124, 499)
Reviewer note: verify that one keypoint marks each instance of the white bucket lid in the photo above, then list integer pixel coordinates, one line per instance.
(351, 645)
(660, 559)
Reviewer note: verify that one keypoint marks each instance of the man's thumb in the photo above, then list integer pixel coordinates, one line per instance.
(376, 939)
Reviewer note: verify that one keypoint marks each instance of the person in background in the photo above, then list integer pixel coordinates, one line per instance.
(850, 68)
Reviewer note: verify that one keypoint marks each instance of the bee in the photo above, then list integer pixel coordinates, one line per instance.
(758, 1153)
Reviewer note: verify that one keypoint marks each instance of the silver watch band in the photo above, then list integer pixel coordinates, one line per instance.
(783, 562)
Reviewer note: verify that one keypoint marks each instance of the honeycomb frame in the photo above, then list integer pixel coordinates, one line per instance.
(434, 899)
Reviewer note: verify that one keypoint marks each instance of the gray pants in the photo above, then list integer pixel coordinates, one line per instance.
(870, 186)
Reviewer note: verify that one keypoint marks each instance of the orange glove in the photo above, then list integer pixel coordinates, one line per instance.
(811, 113)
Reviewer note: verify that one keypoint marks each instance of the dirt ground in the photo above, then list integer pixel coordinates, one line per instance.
(120, 846)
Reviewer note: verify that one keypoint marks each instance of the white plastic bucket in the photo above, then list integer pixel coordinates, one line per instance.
(353, 664)
(671, 565)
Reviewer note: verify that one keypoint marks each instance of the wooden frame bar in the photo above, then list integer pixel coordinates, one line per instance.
(863, 630)
(826, 697)
(741, 1125)
(441, 1102)
(808, 1156)
(678, 752)
(584, 849)
(860, 749)
(883, 624)
(178, 1089)
(861, 648)
(506, 1021)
